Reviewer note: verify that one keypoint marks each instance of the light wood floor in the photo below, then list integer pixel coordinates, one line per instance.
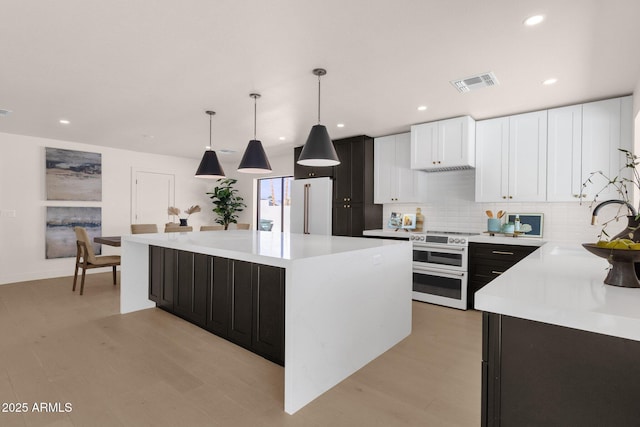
(150, 368)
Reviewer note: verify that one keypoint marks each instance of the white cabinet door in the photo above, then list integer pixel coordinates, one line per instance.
(511, 156)
(492, 153)
(385, 172)
(528, 157)
(605, 128)
(564, 157)
(394, 180)
(424, 145)
(456, 142)
(410, 183)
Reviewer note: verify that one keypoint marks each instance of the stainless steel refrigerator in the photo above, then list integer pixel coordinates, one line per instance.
(311, 206)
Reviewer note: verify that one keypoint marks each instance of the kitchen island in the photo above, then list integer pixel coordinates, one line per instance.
(559, 346)
(345, 300)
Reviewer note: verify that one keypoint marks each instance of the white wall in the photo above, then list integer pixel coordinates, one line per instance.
(22, 189)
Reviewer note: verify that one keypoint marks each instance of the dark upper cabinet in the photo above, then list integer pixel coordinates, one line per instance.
(353, 208)
(300, 171)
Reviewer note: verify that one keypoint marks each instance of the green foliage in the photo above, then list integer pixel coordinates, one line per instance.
(226, 202)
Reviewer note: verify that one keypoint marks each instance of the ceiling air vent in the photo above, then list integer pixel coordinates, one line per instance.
(475, 82)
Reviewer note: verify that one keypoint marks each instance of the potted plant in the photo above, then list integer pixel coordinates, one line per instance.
(621, 185)
(227, 203)
(623, 250)
(183, 220)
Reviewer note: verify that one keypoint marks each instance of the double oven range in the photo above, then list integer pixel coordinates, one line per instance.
(440, 267)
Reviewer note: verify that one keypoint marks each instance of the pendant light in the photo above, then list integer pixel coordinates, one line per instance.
(318, 150)
(209, 165)
(254, 159)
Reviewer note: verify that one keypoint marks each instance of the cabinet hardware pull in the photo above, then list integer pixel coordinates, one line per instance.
(504, 197)
(511, 197)
(439, 162)
(497, 272)
(433, 163)
(502, 253)
(348, 206)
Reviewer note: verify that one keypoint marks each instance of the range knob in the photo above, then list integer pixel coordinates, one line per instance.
(463, 241)
(456, 241)
(450, 239)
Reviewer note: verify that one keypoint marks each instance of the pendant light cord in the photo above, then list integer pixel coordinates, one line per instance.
(255, 115)
(318, 99)
(210, 126)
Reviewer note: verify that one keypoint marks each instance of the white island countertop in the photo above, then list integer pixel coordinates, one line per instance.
(562, 284)
(265, 247)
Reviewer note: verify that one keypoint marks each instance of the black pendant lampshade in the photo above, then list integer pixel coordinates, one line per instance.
(319, 149)
(209, 165)
(254, 159)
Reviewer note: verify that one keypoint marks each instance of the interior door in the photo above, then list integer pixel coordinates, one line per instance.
(153, 193)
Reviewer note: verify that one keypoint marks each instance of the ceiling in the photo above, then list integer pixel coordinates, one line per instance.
(140, 75)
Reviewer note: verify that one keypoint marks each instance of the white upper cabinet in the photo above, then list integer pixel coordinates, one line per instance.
(394, 180)
(443, 145)
(511, 158)
(584, 139)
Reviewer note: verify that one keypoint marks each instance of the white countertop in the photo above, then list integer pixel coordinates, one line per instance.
(277, 249)
(506, 240)
(387, 233)
(562, 284)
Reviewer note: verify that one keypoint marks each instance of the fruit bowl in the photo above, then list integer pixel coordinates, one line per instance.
(622, 272)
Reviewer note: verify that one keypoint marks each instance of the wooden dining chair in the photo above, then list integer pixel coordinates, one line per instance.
(242, 226)
(144, 228)
(172, 227)
(211, 227)
(86, 258)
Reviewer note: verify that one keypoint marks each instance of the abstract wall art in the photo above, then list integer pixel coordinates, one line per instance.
(73, 175)
(60, 239)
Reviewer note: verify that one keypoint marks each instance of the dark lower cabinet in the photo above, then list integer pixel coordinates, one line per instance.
(240, 301)
(536, 374)
(268, 324)
(488, 261)
(217, 319)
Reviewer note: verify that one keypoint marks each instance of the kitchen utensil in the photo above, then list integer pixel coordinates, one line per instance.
(501, 214)
(489, 213)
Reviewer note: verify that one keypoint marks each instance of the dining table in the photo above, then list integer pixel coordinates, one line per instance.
(108, 240)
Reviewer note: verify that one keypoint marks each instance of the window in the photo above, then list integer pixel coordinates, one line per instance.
(274, 203)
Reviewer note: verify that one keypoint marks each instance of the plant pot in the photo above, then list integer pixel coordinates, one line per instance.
(622, 272)
(183, 222)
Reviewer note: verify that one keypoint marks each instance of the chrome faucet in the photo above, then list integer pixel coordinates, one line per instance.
(594, 215)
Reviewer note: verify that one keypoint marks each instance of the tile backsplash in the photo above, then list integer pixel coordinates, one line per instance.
(451, 206)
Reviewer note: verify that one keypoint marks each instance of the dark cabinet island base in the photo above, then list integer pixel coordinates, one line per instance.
(537, 374)
(239, 301)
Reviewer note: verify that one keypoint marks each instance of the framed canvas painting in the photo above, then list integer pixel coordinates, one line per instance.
(60, 239)
(73, 175)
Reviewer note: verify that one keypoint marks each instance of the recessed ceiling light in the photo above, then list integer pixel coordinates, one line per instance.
(64, 122)
(549, 81)
(226, 151)
(422, 108)
(282, 138)
(4, 112)
(534, 20)
(340, 125)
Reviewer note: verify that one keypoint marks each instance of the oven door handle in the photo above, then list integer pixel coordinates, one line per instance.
(421, 246)
(446, 273)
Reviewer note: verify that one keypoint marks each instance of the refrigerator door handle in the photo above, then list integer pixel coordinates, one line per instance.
(305, 228)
